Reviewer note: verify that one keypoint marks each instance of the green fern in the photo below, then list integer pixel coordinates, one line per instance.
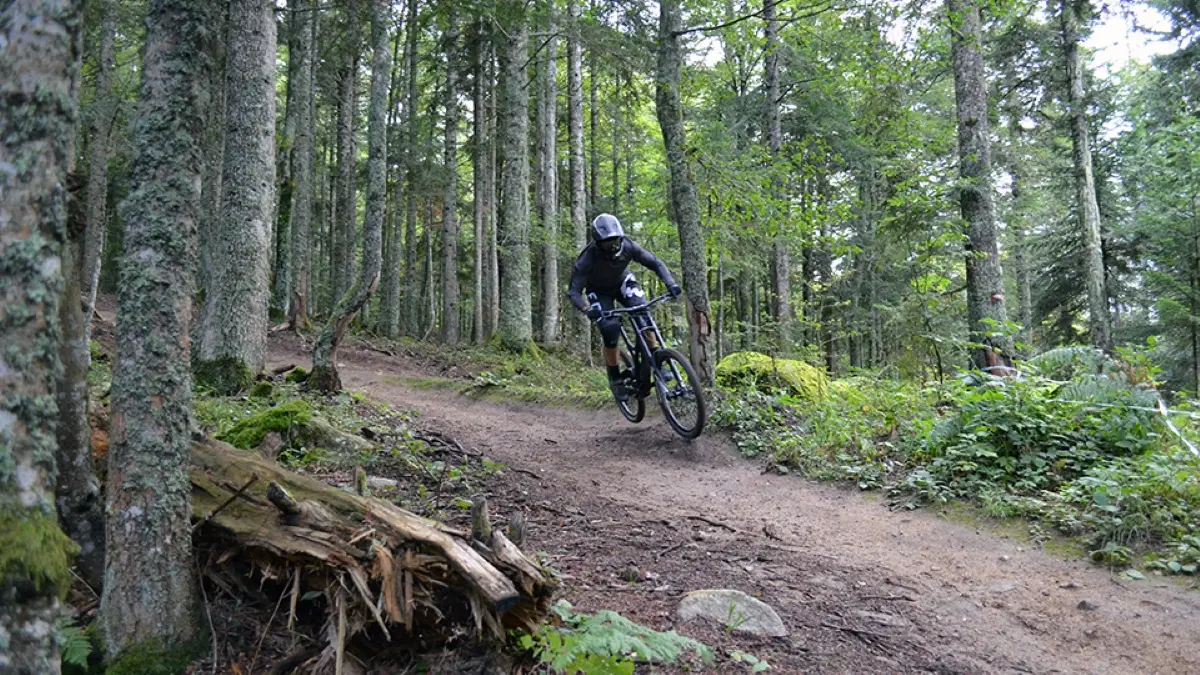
(606, 643)
(1065, 363)
(76, 645)
(1112, 389)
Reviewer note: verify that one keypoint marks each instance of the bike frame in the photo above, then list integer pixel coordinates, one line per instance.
(641, 321)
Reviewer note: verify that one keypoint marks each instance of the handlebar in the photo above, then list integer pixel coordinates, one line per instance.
(640, 308)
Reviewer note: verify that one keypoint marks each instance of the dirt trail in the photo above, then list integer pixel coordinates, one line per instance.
(861, 589)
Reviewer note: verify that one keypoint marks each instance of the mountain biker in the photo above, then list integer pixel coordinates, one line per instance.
(602, 268)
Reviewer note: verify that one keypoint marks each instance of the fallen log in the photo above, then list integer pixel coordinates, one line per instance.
(371, 562)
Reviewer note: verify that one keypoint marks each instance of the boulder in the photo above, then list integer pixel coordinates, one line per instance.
(752, 369)
(733, 609)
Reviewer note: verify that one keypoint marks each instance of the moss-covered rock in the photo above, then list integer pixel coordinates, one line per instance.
(264, 389)
(282, 418)
(33, 548)
(752, 369)
(297, 374)
(225, 376)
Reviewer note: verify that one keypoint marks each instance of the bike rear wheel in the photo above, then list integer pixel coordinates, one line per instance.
(679, 393)
(634, 407)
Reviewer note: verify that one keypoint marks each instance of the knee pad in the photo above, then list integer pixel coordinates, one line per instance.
(610, 331)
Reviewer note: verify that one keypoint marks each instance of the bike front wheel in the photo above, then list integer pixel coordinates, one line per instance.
(679, 393)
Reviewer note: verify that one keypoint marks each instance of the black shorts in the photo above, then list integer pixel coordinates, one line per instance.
(630, 294)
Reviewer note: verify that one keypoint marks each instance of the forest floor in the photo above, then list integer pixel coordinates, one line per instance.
(860, 588)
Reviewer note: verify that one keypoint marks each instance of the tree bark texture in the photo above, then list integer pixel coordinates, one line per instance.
(80, 504)
(548, 184)
(214, 163)
(493, 200)
(149, 588)
(303, 156)
(450, 294)
(685, 207)
(104, 110)
(282, 237)
(582, 333)
(985, 282)
(515, 327)
(235, 323)
(344, 229)
(324, 375)
(38, 84)
(1087, 209)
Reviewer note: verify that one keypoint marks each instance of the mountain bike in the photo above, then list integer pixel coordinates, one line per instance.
(663, 371)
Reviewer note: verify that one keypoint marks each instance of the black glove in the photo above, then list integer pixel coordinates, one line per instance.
(675, 290)
(593, 312)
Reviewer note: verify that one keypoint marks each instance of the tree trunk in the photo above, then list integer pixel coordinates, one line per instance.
(781, 255)
(582, 332)
(282, 239)
(214, 165)
(479, 183)
(516, 326)
(1087, 209)
(548, 184)
(450, 294)
(39, 77)
(324, 375)
(985, 283)
(344, 228)
(149, 587)
(685, 207)
(104, 110)
(594, 121)
(389, 301)
(302, 168)
(493, 199)
(412, 308)
(233, 339)
(80, 504)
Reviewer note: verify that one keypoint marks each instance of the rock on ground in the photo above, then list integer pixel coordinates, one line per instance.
(733, 609)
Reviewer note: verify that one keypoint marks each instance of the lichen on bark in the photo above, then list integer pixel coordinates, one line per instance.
(149, 588)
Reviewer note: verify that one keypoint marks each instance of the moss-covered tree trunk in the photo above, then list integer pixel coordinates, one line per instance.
(1087, 209)
(685, 207)
(344, 228)
(450, 294)
(80, 506)
(581, 330)
(233, 340)
(103, 110)
(38, 80)
(985, 283)
(516, 302)
(303, 156)
(324, 375)
(149, 588)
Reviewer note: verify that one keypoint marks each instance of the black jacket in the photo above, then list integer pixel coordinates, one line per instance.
(603, 275)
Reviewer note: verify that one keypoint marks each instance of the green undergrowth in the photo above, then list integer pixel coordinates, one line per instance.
(1075, 447)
